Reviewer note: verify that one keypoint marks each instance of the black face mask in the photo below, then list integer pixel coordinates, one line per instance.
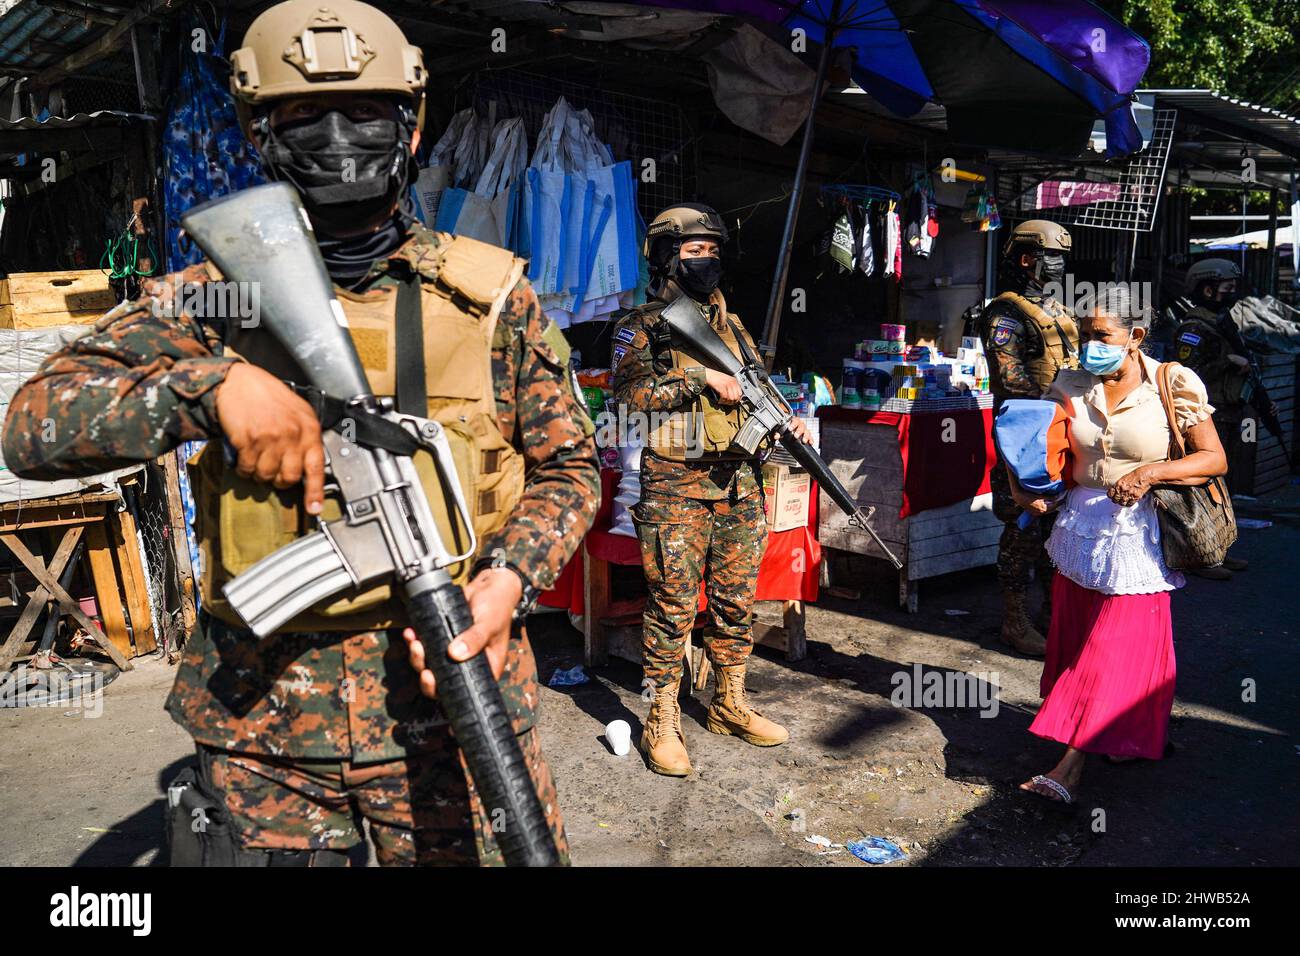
(699, 277)
(347, 173)
(1050, 268)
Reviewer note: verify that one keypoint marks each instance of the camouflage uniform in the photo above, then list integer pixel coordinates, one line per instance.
(698, 519)
(306, 732)
(1023, 359)
(1202, 347)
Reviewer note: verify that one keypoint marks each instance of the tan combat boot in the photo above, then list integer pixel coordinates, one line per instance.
(1016, 629)
(731, 714)
(662, 739)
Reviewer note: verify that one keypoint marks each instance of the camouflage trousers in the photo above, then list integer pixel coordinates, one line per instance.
(421, 811)
(684, 541)
(1020, 550)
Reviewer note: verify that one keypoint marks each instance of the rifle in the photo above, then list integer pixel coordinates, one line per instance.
(262, 236)
(769, 412)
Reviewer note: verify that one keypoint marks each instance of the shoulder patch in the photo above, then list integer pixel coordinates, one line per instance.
(1184, 351)
(625, 334)
(1191, 338)
(553, 337)
(1001, 334)
(1009, 324)
(617, 359)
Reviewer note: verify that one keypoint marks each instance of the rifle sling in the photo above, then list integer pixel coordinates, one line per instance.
(369, 429)
(412, 397)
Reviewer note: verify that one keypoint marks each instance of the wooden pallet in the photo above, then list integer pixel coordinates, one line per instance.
(112, 556)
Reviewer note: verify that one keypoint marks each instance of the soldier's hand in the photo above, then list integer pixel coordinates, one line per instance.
(799, 430)
(493, 596)
(274, 432)
(1239, 360)
(726, 386)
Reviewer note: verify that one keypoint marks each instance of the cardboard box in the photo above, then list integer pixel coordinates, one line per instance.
(36, 300)
(787, 492)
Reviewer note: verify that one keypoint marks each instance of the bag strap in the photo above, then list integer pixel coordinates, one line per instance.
(1176, 442)
(1215, 486)
(412, 395)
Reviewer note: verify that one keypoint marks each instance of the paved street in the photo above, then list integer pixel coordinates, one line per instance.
(938, 781)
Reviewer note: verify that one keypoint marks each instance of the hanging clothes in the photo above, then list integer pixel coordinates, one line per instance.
(921, 228)
(898, 243)
(205, 153)
(867, 260)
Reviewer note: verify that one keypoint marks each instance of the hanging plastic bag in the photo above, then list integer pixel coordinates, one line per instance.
(487, 212)
(439, 171)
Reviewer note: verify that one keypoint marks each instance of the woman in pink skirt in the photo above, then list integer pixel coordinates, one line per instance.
(1108, 680)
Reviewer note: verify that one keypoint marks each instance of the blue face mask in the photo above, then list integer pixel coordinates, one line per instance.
(1101, 358)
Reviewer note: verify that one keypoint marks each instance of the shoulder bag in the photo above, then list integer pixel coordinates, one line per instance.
(1197, 525)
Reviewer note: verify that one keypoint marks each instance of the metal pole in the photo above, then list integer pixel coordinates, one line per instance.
(772, 327)
(1270, 285)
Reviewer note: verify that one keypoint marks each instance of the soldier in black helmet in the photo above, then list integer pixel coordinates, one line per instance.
(1207, 341)
(1028, 337)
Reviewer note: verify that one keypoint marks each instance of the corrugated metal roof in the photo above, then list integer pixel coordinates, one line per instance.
(1265, 125)
(23, 22)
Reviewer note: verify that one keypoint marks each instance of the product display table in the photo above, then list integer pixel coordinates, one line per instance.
(927, 473)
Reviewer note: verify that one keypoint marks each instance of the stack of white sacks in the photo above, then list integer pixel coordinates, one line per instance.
(629, 486)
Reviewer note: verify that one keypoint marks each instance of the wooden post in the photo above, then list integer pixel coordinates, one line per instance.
(104, 575)
(135, 585)
(595, 599)
(179, 540)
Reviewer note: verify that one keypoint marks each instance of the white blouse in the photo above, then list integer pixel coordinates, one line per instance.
(1096, 543)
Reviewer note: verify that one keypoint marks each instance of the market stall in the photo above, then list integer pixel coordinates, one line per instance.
(611, 614)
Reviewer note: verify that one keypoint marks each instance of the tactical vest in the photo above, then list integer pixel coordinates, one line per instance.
(239, 521)
(1223, 385)
(702, 430)
(1047, 324)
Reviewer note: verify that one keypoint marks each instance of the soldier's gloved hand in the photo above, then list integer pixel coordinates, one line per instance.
(493, 596)
(275, 434)
(799, 430)
(1239, 360)
(726, 386)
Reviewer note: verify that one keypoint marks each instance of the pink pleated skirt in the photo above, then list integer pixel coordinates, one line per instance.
(1108, 680)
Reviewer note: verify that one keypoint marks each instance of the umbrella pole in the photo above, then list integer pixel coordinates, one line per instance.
(772, 326)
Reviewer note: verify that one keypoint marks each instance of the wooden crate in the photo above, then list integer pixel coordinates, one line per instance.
(34, 300)
(866, 459)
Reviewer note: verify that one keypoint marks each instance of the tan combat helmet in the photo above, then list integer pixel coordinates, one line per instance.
(1041, 235)
(685, 221)
(1210, 270)
(324, 46)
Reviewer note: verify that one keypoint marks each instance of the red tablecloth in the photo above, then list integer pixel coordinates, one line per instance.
(789, 571)
(946, 456)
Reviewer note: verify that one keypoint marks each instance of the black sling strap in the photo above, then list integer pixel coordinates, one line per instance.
(412, 395)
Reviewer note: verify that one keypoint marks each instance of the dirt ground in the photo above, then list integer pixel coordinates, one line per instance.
(940, 782)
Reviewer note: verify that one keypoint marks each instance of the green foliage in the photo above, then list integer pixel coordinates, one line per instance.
(1249, 49)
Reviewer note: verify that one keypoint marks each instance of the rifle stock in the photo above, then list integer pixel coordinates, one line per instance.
(262, 236)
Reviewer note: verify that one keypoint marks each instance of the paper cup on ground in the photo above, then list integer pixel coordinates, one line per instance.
(619, 735)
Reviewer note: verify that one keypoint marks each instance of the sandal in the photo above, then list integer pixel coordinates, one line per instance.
(1063, 796)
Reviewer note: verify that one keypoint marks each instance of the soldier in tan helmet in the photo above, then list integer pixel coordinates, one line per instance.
(700, 517)
(1028, 337)
(334, 720)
